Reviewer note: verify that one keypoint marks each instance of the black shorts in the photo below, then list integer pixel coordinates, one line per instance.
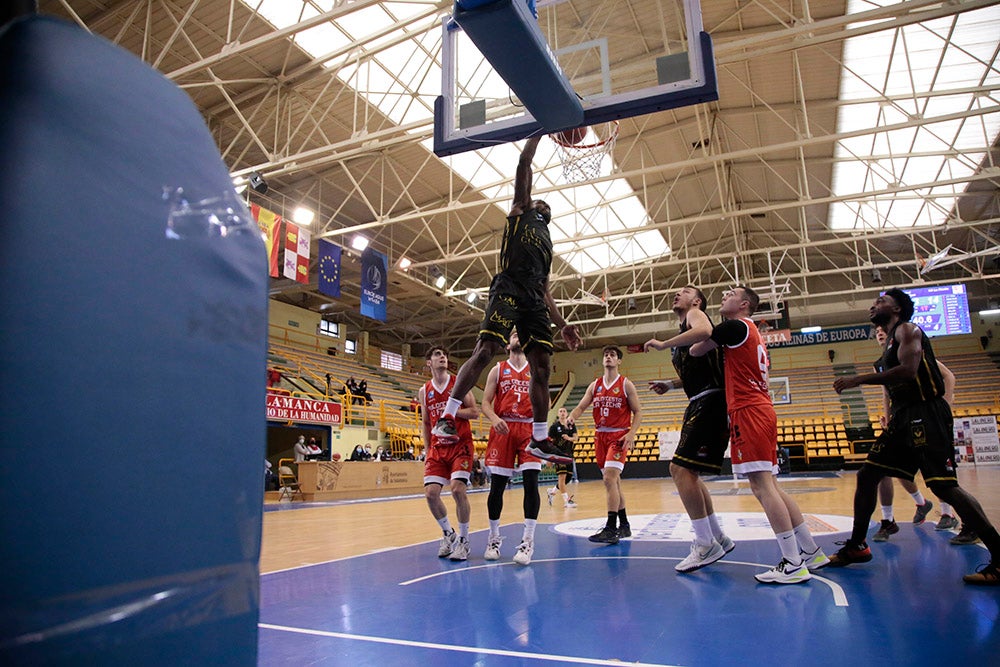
(919, 437)
(513, 304)
(565, 469)
(704, 435)
(566, 447)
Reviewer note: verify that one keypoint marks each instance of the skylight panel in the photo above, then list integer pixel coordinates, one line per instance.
(321, 39)
(913, 68)
(365, 21)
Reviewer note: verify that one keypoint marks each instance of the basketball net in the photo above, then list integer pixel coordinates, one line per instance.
(582, 161)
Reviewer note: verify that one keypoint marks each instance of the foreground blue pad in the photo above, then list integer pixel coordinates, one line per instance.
(133, 366)
(507, 34)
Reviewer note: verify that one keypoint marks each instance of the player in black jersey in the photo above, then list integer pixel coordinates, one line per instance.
(919, 434)
(705, 433)
(520, 298)
(885, 491)
(563, 434)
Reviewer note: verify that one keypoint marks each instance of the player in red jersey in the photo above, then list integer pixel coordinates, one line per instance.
(617, 416)
(447, 463)
(753, 434)
(507, 404)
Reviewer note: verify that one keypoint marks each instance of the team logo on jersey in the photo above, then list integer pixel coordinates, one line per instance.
(615, 391)
(465, 465)
(430, 394)
(506, 371)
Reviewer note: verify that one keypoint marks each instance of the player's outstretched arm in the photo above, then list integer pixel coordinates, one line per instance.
(523, 177)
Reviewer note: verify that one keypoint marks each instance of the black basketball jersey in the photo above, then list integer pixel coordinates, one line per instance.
(698, 374)
(928, 383)
(526, 251)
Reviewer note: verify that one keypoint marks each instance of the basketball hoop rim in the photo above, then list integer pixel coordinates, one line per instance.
(582, 147)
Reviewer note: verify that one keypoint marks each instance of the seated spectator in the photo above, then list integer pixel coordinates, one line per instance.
(270, 479)
(358, 454)
(315, 451)
(368, 453)
(408, 454)
(363, 392)
(383, 454)
(478, 471)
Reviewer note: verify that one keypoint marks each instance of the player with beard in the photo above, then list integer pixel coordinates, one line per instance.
(919, 435)
(705, 433)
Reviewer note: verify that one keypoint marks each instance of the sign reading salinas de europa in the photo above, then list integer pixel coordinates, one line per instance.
(288, 408)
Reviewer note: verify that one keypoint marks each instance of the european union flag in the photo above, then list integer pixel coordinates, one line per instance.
(329, 268)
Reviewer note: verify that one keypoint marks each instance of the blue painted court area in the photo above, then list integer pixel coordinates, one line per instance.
(581, 603)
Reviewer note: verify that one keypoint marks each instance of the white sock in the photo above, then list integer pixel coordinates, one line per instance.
(529, 529)
(463, 531)
(494, 527)
(539, 430)
(805, 539)
(565, 497)
(713, 521)
(918, 498)
(451, 408)
(947, 509)
(445, 525)
(789, 547)
(887, 513)
(702, 531)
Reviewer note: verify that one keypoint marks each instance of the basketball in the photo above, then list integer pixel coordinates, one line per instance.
(574, 136)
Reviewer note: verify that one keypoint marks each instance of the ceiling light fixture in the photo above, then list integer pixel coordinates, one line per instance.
(359, 242)
(303, 216)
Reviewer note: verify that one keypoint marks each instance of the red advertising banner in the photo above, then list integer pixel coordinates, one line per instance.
(289, 408)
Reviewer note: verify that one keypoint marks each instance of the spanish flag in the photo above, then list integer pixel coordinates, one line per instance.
(270, 225)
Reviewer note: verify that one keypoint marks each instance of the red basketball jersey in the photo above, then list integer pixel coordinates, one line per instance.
(746, 367)
(513, 398)
(436, 401)
(611, 409)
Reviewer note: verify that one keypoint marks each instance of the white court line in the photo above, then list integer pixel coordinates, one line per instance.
(839, 596)
(373, 551)
(547, 657)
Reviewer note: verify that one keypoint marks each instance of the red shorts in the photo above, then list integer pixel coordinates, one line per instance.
(444, 464)
(504, 451)
(608, 449)
(753, 439)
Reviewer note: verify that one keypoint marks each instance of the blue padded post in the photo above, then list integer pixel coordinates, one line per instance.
(132, 367)
(508, 36)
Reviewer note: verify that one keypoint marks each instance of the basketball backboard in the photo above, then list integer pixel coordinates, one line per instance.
(622, 58)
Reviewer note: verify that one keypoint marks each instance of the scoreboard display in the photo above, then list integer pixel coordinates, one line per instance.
(941, 310)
